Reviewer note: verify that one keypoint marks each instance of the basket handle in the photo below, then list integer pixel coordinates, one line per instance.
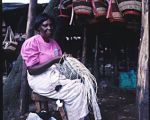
(109, 9)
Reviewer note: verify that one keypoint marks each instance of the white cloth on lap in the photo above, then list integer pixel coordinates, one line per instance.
(72, 91)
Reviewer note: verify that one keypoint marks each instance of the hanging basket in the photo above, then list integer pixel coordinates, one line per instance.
(9, 44)
(113, 13)
(99, 8)
(82, 7)
(130, 7)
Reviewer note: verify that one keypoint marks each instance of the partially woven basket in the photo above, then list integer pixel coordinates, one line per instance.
(73, 68)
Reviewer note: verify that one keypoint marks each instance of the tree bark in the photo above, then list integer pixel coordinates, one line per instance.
(24, 91)
(12, 85)
(59, 34)
(143, 67)
(16, 89)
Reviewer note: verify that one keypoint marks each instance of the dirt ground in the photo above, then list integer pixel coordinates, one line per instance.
(115, 104)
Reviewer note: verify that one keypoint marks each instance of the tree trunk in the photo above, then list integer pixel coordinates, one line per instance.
(15, 89)
(143, 67)
(60, 23)
(11, 90)
(24, 91)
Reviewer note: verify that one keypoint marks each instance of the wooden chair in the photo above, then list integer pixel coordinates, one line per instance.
(41, 103)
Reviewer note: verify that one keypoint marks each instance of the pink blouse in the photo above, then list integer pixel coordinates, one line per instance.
(36, 50)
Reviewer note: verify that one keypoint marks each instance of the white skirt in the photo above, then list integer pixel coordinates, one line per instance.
(72, 92)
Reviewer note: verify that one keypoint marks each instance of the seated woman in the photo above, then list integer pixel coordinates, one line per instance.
(40, 52)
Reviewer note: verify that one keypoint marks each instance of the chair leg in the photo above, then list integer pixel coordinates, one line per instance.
(44, 106)
(62, 113)
(38, 107)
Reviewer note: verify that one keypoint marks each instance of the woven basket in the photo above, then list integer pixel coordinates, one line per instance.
(113, 13)
(99, 8)
(130, 7)
(82, 7)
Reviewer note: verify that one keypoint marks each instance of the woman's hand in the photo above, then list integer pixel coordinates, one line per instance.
(65, 55)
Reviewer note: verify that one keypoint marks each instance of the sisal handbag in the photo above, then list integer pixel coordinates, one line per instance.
(113, 13)
(130, 7)
(99, 8)
(82, 7)
(9, 44)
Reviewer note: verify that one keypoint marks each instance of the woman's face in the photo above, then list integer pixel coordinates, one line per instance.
(46, 29)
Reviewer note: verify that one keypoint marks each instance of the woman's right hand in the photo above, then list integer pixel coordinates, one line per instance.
(65, 55)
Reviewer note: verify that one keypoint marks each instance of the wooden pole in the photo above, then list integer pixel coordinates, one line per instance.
(31, 18)
(95, 58)
(84, 46)
(143, 67)
(96, 48)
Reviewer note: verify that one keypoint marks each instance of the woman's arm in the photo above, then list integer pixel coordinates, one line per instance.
(40, 68)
